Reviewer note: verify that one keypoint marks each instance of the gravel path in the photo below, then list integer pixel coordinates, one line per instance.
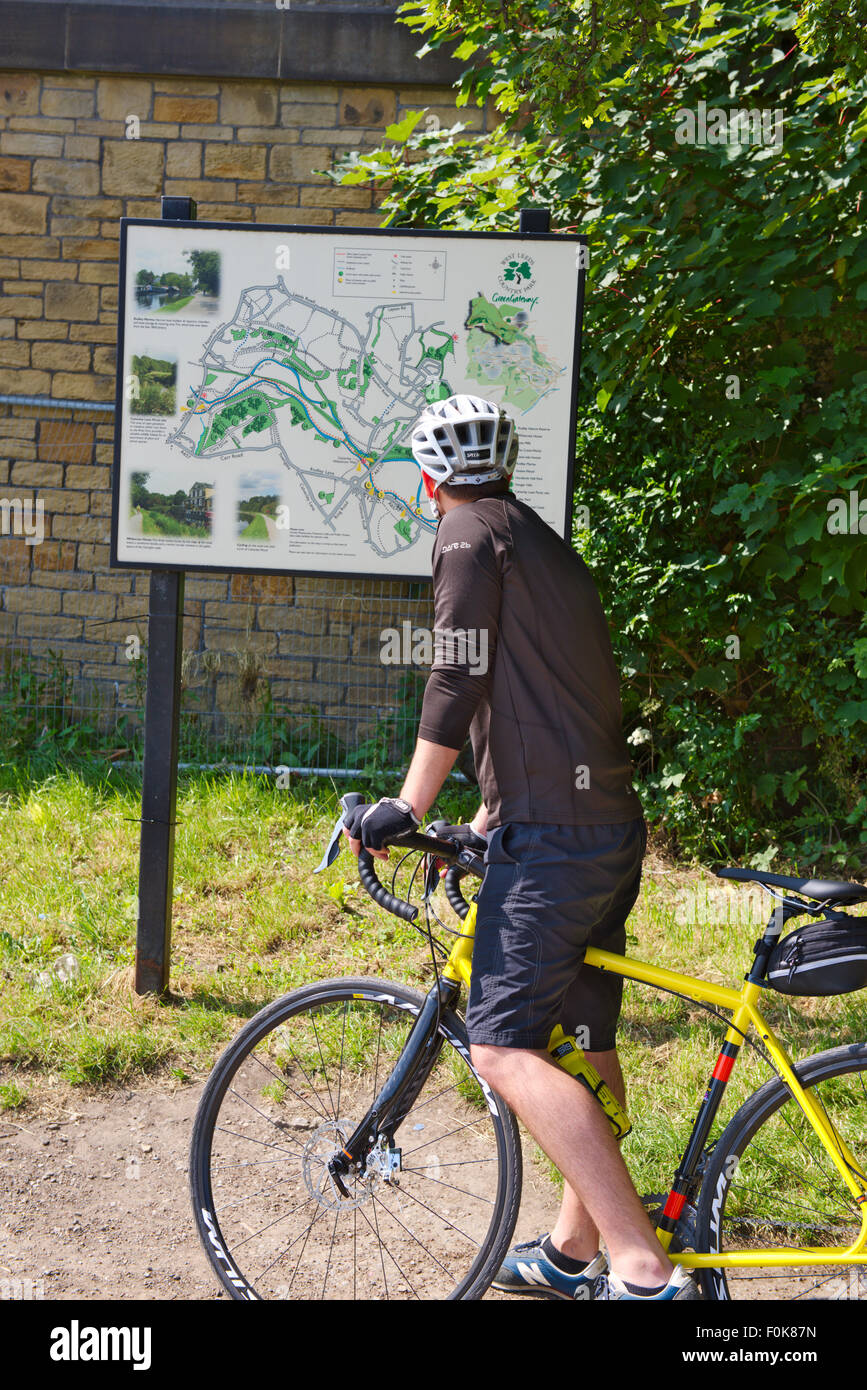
(95, 1202)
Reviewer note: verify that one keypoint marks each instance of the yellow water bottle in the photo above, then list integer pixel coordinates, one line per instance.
(567, 1054)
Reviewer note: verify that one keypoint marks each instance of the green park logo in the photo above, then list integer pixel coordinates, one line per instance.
(516, 273)
(516, 276)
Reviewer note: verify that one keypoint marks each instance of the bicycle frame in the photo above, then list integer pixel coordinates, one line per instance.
(743, 1006)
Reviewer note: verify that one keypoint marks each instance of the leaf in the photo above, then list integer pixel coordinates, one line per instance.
(403, 129)
(465, 50)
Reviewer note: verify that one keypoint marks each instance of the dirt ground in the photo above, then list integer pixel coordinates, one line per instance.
(95, 1201)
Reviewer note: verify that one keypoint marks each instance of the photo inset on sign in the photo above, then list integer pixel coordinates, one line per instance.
(166, 282)
(260, 515)
(163, 511)
(154, 378)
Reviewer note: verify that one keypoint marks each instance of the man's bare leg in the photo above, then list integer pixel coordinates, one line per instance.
(576, 1233)
(571, 1127)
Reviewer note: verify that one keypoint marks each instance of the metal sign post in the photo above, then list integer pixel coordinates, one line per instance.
(160, 772)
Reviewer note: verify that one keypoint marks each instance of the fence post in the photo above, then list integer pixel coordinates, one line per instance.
(160, 772)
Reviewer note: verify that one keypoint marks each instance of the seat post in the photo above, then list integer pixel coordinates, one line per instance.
(784, 908)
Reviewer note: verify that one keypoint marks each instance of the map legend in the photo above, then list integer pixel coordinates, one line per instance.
(363, 271)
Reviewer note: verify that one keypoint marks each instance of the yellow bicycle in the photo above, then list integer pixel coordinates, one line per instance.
(345, 1147)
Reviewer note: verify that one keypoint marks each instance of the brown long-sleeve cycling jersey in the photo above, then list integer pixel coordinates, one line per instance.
(524, 664)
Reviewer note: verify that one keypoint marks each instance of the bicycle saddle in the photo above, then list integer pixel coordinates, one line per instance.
(820, 889)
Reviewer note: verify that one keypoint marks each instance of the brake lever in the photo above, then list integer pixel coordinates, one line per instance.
(348, 801)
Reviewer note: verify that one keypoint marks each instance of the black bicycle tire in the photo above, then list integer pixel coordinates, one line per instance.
(509, 1177)
(739, 1132)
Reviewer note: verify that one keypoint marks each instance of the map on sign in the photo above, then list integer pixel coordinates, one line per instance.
(270, 379)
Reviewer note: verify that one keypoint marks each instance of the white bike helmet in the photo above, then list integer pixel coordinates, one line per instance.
(465, 440)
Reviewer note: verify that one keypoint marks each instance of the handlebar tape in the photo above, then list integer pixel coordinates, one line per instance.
(380, 894)
(452, 885)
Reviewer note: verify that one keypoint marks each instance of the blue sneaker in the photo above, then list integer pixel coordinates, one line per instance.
(527, 1270)
(681, 1285)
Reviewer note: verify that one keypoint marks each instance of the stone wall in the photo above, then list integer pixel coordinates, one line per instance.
(246, 151)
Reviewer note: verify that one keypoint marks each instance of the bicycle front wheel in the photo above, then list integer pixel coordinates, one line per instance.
(429, 1218)
(771, 1183)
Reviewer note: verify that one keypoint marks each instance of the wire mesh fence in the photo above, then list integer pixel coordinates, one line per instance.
(277, 671)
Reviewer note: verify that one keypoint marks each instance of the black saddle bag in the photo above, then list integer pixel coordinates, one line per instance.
(828, 957)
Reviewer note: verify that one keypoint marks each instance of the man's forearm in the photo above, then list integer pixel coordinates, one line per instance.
(430, 766)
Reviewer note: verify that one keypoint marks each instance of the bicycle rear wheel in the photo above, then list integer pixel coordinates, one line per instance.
(287, 1093)
(770, 1183)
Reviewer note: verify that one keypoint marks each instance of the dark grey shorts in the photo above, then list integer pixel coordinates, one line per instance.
(549, 892)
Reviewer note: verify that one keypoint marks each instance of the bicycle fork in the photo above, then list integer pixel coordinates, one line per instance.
(402, 1087)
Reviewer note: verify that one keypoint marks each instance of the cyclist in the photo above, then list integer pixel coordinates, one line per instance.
(561, 827)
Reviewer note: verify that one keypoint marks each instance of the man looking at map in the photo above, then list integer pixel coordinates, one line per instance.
(563, 835)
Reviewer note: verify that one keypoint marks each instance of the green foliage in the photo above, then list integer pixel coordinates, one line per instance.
(837, 29)
(206, 265)
(724, 381)
(11, 1096)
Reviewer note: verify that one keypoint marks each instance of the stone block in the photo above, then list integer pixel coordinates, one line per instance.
(62, 101)
(28, 143)
(43, 125)
(77, 176)
(224, 212)
(248, 103)
(96, 272)
(14, 173)
(184, 159)
(300, 114)
(21, 212)
(90, 605)
(47, 270)
(67, 300)
(187, 86)
(82, 386)
(282, 212)
(33, 600)
(89, 249)
(67, 205)
(80, 528)
(296, 163)
(41, 329)
(65, 441)
(133, 166)
(331, 197)
(119, 97)
(23, 382)
(81, 147)
(358, 219)
(367, 106)
(61, 357)
(105, 358)
(185, 108)
(198, 189)
(207, 132)
(280, 194)
(247, 133)
(15, 354)
(19, 94)
(37, 473)
(224, 161)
